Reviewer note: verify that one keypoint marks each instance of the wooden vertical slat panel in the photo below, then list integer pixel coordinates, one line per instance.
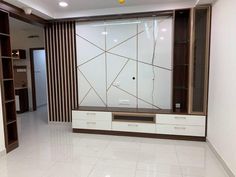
(61, 69)
(51, 70)
(48, 73)
(60, 72)
(75, 92)
(53, 73)
(49, 61)
(48, 55)
(69, 65)
(72, 65)
(64, 70)
(55, 80)
(66, 64)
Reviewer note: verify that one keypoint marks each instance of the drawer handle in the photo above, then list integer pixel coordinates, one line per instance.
(180, 128)
(132, 125)
(91, 123)
(91, 113)
(180, 118)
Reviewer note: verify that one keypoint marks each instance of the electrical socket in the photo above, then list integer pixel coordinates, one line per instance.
(124, 102)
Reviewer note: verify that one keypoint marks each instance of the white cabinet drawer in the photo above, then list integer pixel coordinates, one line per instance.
(180, 130)
(180, 119)
(133, 127)
(95, 125)
(91, 115)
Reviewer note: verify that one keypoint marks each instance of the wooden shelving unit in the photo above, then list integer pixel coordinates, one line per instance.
(200, 60)
(181, 61)
(7, 84)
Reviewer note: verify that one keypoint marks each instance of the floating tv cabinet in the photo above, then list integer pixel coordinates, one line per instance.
(139, 122)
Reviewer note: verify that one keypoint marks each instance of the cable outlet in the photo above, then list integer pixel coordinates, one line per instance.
(124, 102)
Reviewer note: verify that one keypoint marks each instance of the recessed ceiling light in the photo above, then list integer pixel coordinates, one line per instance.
(164, 29)
(162, 38)
(63, 4)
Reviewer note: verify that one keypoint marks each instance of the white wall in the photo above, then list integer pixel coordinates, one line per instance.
(40, 77)
(20, 40)
(222, 91)
(2, 140)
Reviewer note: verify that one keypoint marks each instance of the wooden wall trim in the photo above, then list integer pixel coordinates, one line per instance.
(19, 13)
(61, 70)
(115, 16)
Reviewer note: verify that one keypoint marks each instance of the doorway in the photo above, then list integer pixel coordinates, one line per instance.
(38, 77)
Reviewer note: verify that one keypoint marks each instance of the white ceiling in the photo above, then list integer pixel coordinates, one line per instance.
(50, 9)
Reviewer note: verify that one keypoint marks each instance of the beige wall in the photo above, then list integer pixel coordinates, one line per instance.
(20, 40)
(222, 91)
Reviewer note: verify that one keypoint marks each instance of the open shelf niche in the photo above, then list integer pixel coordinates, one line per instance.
(181, 61)
(7, 84)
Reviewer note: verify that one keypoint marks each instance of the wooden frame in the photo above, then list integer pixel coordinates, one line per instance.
(134, 134)
(116, 16)
(34, 101)
(207, 57)
(191, 50)
(182, 24)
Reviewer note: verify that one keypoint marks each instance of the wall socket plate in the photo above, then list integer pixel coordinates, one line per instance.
(178, 105)
(124, 102)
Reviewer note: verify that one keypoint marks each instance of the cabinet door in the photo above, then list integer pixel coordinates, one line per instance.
(200, 60)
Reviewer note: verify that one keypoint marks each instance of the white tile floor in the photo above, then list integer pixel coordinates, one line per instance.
(54, 151)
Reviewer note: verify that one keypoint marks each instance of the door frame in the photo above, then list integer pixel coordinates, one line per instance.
(34, 100)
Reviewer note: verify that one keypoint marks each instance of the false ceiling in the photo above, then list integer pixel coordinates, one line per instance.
(49, 9)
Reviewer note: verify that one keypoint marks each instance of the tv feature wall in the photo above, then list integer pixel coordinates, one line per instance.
(125, 63)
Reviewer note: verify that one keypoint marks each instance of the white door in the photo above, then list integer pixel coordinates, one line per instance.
(40, 77)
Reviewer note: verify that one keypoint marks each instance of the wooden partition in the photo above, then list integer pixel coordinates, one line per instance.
(61, 70)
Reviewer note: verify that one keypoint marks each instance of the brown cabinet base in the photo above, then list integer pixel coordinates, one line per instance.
(144, 135)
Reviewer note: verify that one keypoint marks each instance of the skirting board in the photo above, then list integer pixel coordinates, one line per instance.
(2, 153)
(225, 166)
(134, 134)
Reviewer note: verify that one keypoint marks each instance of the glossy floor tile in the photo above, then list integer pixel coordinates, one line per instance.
(52, 150)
